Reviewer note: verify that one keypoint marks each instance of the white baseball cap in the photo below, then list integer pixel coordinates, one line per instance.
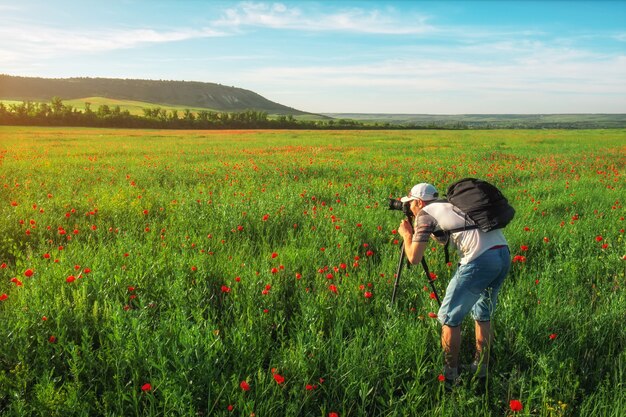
(422, 191)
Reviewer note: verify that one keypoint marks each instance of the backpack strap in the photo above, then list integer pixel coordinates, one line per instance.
(447, 233)
(469, 225)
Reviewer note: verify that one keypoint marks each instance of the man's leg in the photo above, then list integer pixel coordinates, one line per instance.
(484, 336)
(451, 344)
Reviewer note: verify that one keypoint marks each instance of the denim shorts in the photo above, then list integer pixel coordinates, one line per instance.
(474, 287)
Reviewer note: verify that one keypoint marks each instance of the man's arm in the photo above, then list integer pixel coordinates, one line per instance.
(414, 250)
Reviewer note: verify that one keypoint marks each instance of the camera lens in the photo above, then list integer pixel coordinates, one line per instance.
(395, 204)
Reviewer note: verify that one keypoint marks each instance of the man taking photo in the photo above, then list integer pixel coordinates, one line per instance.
(483, 265)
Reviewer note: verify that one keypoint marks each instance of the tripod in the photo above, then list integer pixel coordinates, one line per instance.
(401, 266)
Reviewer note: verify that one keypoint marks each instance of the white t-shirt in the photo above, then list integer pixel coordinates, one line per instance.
(470, 244)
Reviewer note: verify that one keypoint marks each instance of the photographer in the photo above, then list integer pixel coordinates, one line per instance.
(483, 265)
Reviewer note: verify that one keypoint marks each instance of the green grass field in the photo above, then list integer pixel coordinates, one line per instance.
(249, 273)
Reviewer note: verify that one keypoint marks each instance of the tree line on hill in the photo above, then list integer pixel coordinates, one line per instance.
(57, 113)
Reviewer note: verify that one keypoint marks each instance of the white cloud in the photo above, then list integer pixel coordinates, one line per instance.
(543, 73)
(48, 42)
(280, 16)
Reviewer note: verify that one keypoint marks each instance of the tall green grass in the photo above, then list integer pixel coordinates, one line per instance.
(204, 259)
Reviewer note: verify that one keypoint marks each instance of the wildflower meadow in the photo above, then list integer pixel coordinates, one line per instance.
(250, 273)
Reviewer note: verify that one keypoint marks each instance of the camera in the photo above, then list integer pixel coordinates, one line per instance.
(399, 205)
(395, 204)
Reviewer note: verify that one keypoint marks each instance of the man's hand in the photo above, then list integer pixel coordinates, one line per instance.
(405, 229)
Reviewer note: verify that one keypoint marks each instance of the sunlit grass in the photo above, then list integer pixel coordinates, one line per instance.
(168, 267)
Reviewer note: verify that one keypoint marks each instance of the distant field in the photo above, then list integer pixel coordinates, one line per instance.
(249, 273)
(134, 107)
(511, 120)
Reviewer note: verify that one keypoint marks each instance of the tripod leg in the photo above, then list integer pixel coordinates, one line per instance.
(430, 281)
(398, 273)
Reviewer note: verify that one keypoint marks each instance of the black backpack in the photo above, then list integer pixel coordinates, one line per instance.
(482, 202)
(484, 205)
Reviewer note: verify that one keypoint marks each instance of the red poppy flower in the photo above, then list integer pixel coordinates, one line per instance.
(3, 297)
(16, 282)
(441, 378)
(274, 255)
(516, 405)
(279, 378)
(29, 273)
(225, 289)
(333, 414)
(70, 279)
(553, 336)
(599, 238)
(52, 339)
(146, 387)
(432, 315)
(332, 288)
(367, 294)
(244, 386)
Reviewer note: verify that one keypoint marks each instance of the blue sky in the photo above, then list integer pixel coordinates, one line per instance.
(434, 57)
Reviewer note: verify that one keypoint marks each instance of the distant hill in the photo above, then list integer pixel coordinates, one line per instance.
(195, 94)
